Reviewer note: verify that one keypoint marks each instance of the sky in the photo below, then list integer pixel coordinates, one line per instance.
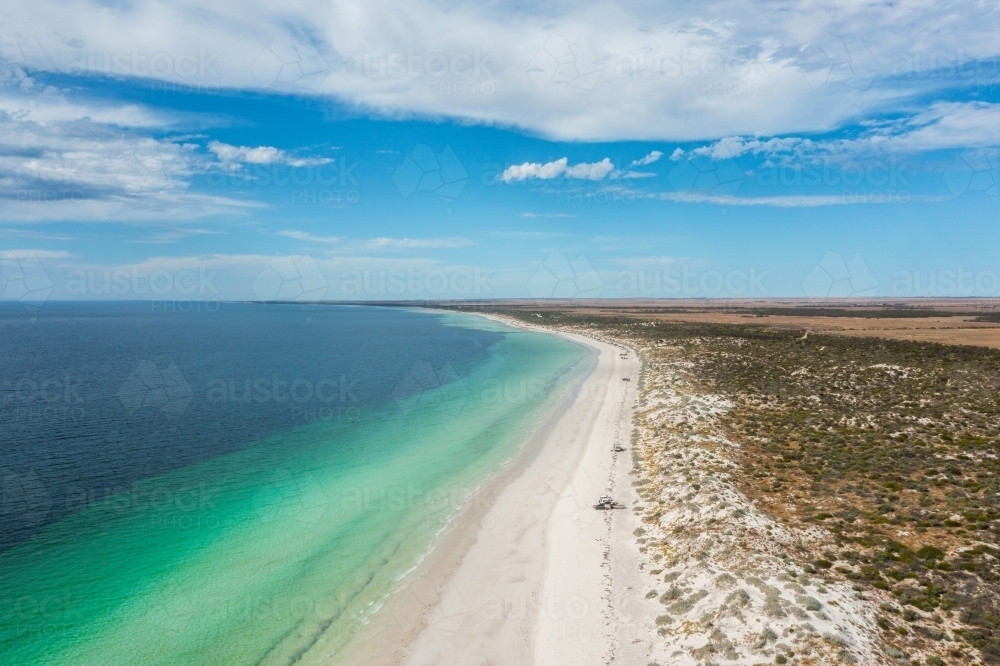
(180, 152)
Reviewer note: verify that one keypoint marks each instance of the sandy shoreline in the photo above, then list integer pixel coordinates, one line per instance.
(689, 572)
(524, 576)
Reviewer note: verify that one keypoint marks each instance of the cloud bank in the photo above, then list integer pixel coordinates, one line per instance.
(594, 70)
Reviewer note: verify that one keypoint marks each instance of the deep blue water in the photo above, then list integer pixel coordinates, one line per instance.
(95, 397)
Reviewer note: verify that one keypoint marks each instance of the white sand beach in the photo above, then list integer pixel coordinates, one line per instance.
(534, 587)
(524, 576)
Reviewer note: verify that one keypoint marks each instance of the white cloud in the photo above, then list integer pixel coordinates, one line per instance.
(172, 236)
(663, 71)
(527, 170)
(259, 155)
(81, 169)
(557, 168)
(734, 146)
(37, 254)
(945, 125)
(594, 171)
(310, 238)
(35, 234)
(651, 158)
(529, 235)
(51, 106)
(63, 160)
(416, 243)
(379, 243)
(231, 155)
(941, 126)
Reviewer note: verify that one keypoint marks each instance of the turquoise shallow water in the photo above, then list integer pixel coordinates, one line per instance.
(249, 556)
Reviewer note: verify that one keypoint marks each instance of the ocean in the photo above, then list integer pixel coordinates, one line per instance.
(228, 483)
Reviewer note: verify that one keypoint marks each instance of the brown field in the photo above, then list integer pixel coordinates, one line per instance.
(947, 321)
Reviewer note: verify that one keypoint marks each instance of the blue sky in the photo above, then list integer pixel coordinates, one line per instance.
(170, 151)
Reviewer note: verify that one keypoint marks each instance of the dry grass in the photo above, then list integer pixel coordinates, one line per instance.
(879, 456)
